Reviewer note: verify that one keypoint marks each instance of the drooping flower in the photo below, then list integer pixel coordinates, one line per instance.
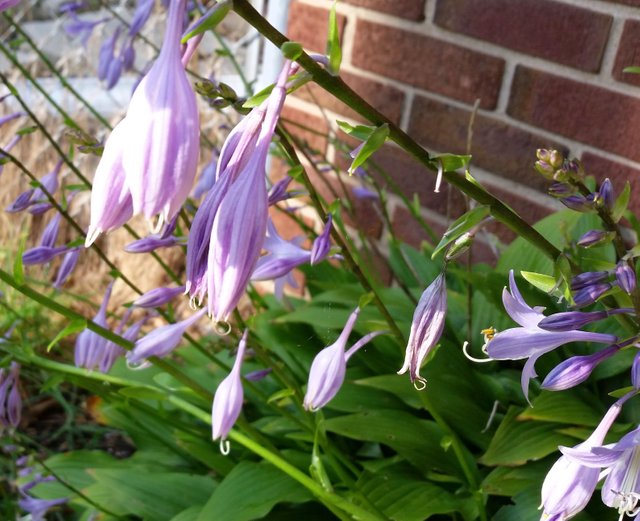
(570, 484)
(227, 401)
(90, 346)
(67, 266)
(426, 328)
(322, 244)
(228, 231)
(161, 153)
(157, 297)
(328, 368)
(529, 340)
(161, 341)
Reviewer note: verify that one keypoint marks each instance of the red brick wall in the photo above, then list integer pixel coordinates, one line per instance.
(545, 73)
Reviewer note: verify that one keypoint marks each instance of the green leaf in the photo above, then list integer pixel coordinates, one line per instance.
(258, 97)
(75, 326)
(334, 52)
(418, 441)
(543, 282)
(516, 442)
(361, 132)
(621, 203)
(452, 162)
(210, 20)
(633, 69)
(250, 491)
(291, 50)
(373, 143)
(509, 481)
(400, 493)
(143, 393)
(461, 225)
(18, 267)
(525, 507)
(190, 514)
(563, 407)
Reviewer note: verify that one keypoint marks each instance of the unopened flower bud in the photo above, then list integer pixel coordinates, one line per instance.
(595, 238)
(590, 294)
(578, 203)
(626, 277)
(605, 196)
(545, 169)
(576, 370)
(588, 278)
(459, 246)
(561, 190)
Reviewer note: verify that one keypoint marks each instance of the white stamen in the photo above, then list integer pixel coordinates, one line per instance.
(225, 447)
(439, 178)
(465, 351)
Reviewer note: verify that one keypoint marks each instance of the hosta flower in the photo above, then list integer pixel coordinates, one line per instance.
(570, 484)
(426, 328)
(8, 4)
(228, 231)
(529, 340)
(10, 399)
(161, 153)
(577, 369)
(157, 297)
(90, 346)
(227, 402)
(329, 367)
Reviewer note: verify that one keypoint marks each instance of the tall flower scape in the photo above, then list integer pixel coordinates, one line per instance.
(268, 375)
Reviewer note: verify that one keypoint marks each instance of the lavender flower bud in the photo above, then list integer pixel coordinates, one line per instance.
(140, 16)
(578, 203)
(364, 194)
(161, 341)
(553, 157)
(227, 402)
(106, 54)
(576, 370)
(278, 191)
(151, 243)
(590, 294)
(67, 266)
(635, 371)
(207, 178)
(50, 233)
(90, 346)
(588, 278)
(595, 238)
(41, 255)
(570, 320)
(260, 374)
(426, 328)
(626, 277)
(21, 202)
(561, 190)
(157, 297)
(605, 195)
(545, 169)
(322, 244)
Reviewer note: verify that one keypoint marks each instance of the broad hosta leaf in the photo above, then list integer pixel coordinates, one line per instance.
(416, 440)
(525, 507)
(509, 481)
(562, 407)
(153, 496)
(402, 496)
(190, 514)
(516, 442)
(250, 491)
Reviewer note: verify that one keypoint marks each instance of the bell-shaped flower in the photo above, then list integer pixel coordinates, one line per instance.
(162, 146)
(570, 484)
(322, 244)
(282, 257)
(227, 402)
(111, 204)
(90, 346)
(575, 370)
(157, 297)
(328, 368)
(161, 341)
(529, 340)
(426, 328)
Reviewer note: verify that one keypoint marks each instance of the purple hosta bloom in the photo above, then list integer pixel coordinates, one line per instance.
(128, 55)
(161, 341)
(11, 117)
(38, 507)
(561, 190)
(107, 54)
(76, 27)
(569, 485)
(588, 279)
(260, 374)
(157, 297)
(322, 244)
(330, 365)
(207, 177)
(41, 255)
(282, 257)
(426, 328)
(50, 233)
(635, 371)
(111, 204)
(48, 185)
(568, 320)
(605, 195)
(8, 4)
(589, 294)
(10, 399)
(22, 202)
(113, 351)
(70, 7)
(595, 238)
(229, 228)
(278, 191)
(579, 203)
(621, 461)
(575, 370)
(140, 16)
(529, 340)
(152, 243)
(626, 277)
(364, 194)
(90, 346)
(227, 402)
(67, 266)
(161, 153)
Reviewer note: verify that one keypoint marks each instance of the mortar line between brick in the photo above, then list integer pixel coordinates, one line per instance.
(407, 109)
(613, 44)
(505, 90)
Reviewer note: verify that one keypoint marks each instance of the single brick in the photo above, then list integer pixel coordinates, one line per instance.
(428, 63)
(551, 30)
(628, 53)
(387, 99)
(310, 129)
(496, 146)
(409, 9)
(310, 26)
(590, 114)
(619, 174)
